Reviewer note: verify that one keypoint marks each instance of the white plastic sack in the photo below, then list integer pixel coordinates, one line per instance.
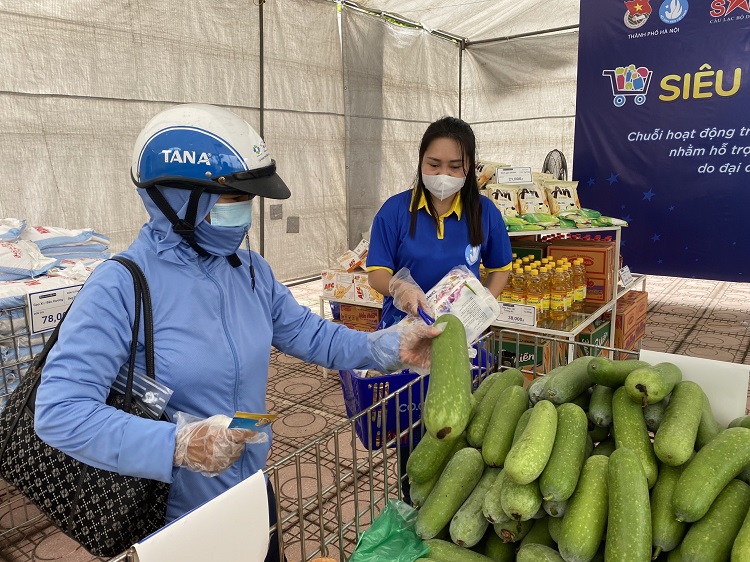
(22, 259)
(10, 229)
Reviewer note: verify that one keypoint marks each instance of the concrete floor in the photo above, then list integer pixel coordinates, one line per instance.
(686, 316)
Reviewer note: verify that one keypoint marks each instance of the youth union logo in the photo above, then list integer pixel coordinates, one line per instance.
(637, 13)
(472, 254)
(672, 11)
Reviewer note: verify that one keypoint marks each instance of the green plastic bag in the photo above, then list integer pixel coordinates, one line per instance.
(391, 537)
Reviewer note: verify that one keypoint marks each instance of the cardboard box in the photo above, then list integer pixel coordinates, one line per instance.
(598, 259)
(529, 248)
(338, 284)
(630, 319)
(529, 356)
(362, 290)
(597, 334)
(354, 259)
(635, 348)
(357, 317)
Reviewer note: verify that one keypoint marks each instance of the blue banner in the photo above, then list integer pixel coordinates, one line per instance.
(662, 134)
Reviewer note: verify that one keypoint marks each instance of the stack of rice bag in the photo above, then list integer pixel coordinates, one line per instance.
(545, 203)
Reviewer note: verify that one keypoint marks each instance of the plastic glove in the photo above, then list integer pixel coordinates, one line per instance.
(208, 445)
(407, 295)
(403, 346)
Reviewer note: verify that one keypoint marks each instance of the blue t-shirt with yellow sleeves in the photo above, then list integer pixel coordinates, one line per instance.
(433, 252)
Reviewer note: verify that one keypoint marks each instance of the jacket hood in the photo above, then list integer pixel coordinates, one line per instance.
(216, 240)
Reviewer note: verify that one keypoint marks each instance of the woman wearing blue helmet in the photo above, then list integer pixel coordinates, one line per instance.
(217, 311)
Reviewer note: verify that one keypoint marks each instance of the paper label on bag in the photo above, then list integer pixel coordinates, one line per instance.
(153, 395)
(248, 420)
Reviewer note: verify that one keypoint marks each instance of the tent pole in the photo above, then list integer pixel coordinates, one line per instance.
(460, 74)
(262, 205)
(522, 35)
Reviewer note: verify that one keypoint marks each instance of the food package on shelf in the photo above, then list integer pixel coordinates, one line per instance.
(532, 199)
(485, 171)
(562, 195)
(505, 198)
(354, 259)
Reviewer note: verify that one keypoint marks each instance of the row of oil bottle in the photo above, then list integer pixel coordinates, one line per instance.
(555, 288)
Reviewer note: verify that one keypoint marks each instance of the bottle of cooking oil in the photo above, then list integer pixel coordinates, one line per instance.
(534, 294)
(579, 281)
(518, 287)
(545, 279)
(558, 293)
(507, 293)
(571, 290)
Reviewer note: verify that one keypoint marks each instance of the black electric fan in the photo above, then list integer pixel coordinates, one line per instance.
(556, 165)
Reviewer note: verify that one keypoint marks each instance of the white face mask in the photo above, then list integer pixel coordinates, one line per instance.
(443, 186)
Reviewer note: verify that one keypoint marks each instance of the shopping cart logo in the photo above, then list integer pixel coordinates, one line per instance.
(637, 13)
(629, 82)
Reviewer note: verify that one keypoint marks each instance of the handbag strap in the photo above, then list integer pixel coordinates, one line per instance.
(142, 297)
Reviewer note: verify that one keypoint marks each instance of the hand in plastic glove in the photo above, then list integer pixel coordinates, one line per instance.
(402, 346)
(407, 295)
(208, 446)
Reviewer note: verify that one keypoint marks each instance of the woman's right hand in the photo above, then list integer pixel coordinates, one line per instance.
(209, 446)
(407, 295)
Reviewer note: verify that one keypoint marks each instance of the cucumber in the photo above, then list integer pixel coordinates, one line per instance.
(589, 446)
(600, 406)
(538, 553)
(511, 404)
(520, 501)
(496, 549)
(654, 414)
(468, 525)
(429, 456)
(711, 538)
(630, 432)
(604, 447)
(649, 385)
(484, 386)
(536, 388)
(446, 551)
(712, 468)
(629, 515)
(569, 382)
(560, 476)
(674, 442)
(455, 484)
(666, 531)
(513, 531)
(529, 455)
(675, 555)
(586, 516)
(741, 548)
(539, 534)
(599, 433)
(492, 507)
(523, 421)
(555, 509)
(448, 405)
(742, 421)
(554, 525)
(420, 491)
(582, 400)
(480, 422)
(612, 373)
(709, 427)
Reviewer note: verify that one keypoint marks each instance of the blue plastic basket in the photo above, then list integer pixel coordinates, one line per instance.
(379, 425)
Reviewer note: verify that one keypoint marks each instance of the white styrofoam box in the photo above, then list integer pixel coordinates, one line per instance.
(724, 383)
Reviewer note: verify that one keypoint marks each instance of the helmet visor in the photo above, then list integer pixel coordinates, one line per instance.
(264, 182)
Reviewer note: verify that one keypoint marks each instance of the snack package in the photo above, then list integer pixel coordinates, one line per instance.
(562, 195)
(532, 199)
(541, 219)
(486, 171)
(353, 259)
(505, 198)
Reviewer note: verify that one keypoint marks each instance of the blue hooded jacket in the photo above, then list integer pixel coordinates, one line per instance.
(212, 335)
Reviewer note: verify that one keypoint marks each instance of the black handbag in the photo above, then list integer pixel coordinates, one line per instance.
(104, 511)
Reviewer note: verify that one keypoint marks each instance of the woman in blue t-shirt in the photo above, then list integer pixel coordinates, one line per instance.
(440, 223)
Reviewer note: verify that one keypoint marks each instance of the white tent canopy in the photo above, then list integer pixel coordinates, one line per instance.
(341, 96)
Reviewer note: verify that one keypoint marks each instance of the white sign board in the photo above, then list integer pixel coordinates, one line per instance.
(517, 174)
(47, 308)
(724, 383)
(625, 276)
(523, 314)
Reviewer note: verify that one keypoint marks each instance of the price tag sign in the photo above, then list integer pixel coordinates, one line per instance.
(517, 174)
(46, 308)
(517, 313)
(625, 276)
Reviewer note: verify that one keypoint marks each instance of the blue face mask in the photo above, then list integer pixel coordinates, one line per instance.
(232, 214)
